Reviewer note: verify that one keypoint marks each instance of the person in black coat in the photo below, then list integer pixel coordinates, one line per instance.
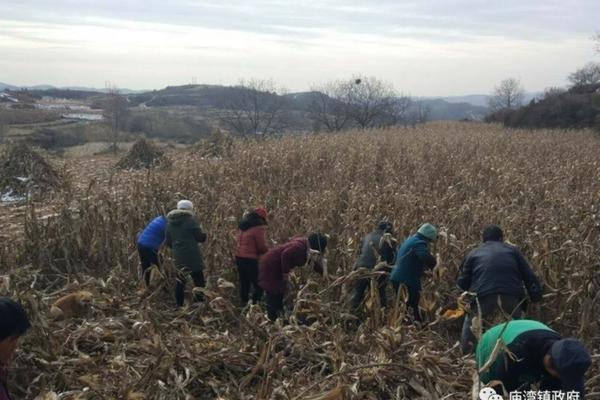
(376, 247)
(497, 273)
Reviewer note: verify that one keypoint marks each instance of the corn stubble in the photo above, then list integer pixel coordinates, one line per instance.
(542, 187)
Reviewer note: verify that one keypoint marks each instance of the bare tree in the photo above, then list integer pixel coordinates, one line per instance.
(597, 40)
(116, 110)
(553, 91)
(361, 101)
(508, 95)
(328, 107)
(587, 75)
(254, 107)
(418, 113)
(369, 100)
(401, 110)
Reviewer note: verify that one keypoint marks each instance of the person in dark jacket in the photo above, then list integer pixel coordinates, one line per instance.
(412, 258)
(13, 324)
(148, 245)
(497, 273)
(276, 264)
(182, 236)
(251, 245)
(532, 353)
(378, 246)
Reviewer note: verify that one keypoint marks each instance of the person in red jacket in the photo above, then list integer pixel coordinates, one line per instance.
(275, 266)
(251, 245)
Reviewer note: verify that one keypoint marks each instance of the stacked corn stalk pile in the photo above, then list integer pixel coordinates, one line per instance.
(23, 172)
(217, 145)
(143, 154)
(543, 188)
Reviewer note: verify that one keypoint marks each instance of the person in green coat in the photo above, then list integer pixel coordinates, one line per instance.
(182, 236)
(412, 258)
(529, 353)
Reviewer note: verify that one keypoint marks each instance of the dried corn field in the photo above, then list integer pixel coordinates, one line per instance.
(543, 188)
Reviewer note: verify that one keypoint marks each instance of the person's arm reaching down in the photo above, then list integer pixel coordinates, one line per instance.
(532, 283)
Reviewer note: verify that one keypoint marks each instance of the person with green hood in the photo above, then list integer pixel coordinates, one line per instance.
(522, 353)
(182, 236)
(412, 258)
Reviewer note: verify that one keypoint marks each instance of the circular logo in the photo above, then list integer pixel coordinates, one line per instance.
(489, 393)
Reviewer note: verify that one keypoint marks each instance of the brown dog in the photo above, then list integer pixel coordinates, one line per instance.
(72, 305)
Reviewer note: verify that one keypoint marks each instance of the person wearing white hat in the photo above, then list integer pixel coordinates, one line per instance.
(185, 205)
(182, 236)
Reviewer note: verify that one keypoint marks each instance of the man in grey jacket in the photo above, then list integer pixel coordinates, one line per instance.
(498, 274)
(376, 247)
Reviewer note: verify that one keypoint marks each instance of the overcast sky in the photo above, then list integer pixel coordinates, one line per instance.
(424, 47)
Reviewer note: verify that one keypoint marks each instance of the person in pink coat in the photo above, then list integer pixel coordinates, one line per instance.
(251, 245)
(275, 266)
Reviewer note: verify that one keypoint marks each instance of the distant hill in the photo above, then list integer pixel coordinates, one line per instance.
(214, 96)
(474, 99)
(209, 96)
(440, 109)
(302, 100)
(6, 86)
(472, 107)
(483, 99)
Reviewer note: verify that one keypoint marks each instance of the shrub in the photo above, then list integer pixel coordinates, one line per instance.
(52, 139)
(579, 107)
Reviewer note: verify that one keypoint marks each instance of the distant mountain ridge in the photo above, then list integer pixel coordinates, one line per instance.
(480, 100)
(483, 99)
(440, 109)
(471, 107)
(6, 86)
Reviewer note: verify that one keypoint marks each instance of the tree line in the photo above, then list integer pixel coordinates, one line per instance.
(256, 107)
(577, 106)
(259, 107)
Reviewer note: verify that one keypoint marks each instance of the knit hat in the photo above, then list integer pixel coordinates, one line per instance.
(185, 205)
(317, 241)
(429, 231)
(261, 212)
(572, 360)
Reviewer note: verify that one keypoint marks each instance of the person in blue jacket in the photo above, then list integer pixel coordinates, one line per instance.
(148, 244)
(412, 257)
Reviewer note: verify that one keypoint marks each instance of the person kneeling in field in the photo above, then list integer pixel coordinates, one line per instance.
(412, 257)
(13, 324)
(148, 244)
(377, 247)
(251, 245)
(275, 266)
(531, 353)
(182, 236)
(496, 272)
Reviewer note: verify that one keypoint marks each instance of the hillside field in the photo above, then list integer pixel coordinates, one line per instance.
(542, 187)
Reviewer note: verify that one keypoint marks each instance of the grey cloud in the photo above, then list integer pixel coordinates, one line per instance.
(446, 20)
